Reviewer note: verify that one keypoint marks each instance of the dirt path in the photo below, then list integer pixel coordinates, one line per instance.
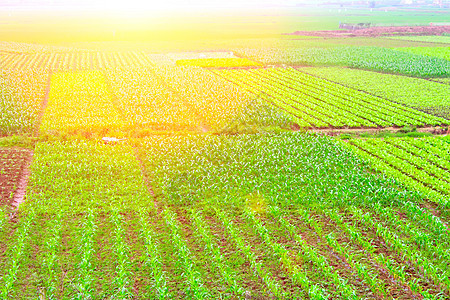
(20, 192)
(43, 105)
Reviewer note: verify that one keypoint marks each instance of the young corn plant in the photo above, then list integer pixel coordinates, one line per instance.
(437, 249)
(397, 271)
(297, 275)
(196, 289)
(85, 282)
(218, 261)
(17, 253)
(436, 275)
(342, 285)
(361, 269)
(374, 283)
(159, 288)
(122, 280)
(259, 269)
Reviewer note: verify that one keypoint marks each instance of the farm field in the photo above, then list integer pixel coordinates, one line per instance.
(190, 159)
(114, 239)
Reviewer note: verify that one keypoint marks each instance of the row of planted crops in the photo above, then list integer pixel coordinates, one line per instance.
(175, 212)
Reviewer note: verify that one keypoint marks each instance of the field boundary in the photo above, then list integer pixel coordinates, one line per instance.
(44, 104)
(20, 192)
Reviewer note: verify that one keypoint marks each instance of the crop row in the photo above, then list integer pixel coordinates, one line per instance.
(319, 103)
(74, 61)
(421, 164)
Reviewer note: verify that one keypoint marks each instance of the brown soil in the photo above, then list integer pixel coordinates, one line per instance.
(13, 169)
(20, 192)
(379, 31)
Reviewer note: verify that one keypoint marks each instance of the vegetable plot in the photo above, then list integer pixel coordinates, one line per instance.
(440, 52)
(80, 103)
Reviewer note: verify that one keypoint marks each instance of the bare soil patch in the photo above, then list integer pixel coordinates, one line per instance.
(379, 31)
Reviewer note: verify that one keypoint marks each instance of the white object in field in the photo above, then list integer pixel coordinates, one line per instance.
(111, 139)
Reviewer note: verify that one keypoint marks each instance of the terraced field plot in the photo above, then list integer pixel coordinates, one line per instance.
(223, 222)
(319, 103)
